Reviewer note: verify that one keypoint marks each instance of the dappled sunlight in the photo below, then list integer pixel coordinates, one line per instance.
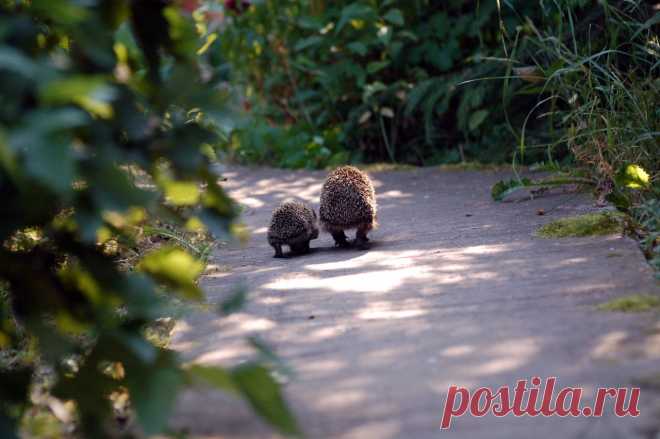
(506, 356)
(390, 314)
(457, 351)
(380, 281)
(485, 249)
(382, 310)
(326, 332)
(608, 343)
(380, 430)
(253, 203)
(250, 323)
(393, 195)
(321, 367)
(270, 300)
(306, 189)
(346, 398)
(651, 346)
(224, 355)
(375, 257)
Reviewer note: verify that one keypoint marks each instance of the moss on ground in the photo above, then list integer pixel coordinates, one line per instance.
(590, 224)
(632, 303)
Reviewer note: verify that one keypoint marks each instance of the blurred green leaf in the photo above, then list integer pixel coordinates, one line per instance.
(61, 11)
(181, 193)
(214, 376)
(269, 358)
(503, 188)
(354, 11)
(376, 66)
(265, 396)
(633, 177)
(175, 268)
(477, 119)
(92, 93)
(234, 303)
(13, 60)
(395, 16)
(357, 47)
(154, 390)
(308, 42)
(41, 142)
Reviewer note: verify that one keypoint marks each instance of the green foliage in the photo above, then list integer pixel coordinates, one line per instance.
(174, 268)
(394, 78)
(91, 92)
(598, 63)
(259, 142)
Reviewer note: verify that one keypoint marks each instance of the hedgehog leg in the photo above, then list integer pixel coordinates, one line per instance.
(361, 239)
(278, 251)
(340, 239)
(300, 248)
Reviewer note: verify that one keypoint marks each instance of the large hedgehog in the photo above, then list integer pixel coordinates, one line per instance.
(293, 224)
(348, 201)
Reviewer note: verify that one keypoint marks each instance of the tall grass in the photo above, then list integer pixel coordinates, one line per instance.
(599, 88)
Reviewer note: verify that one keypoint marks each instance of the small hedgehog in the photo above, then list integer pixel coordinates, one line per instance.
(293, 224)
(348, 201)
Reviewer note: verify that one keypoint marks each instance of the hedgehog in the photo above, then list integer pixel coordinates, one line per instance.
(348, 201)
(294, 224)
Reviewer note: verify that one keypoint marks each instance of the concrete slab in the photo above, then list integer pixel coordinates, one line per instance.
(456, 290)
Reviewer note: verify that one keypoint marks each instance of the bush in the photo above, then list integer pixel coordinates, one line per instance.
(393, 78)
(91, 94)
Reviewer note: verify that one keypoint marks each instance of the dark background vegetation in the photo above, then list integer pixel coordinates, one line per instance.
(112, 114)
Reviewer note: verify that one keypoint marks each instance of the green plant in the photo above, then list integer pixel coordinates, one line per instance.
(394, 78)
(90, 93)
(594, 69)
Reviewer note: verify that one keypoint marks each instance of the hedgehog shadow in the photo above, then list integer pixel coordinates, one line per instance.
(351, 249)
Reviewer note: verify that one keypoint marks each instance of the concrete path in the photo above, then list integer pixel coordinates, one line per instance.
(456, 290)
